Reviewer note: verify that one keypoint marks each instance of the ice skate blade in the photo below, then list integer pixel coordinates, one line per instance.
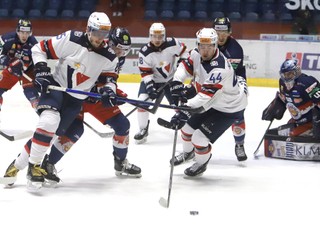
(34, 187)
(50, 184)
(126, 175)
(192, 177)
(8, 181)
(142, 141)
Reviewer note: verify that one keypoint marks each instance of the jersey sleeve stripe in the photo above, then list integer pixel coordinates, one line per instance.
(46, 46)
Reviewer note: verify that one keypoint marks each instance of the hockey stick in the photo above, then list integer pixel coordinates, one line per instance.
(159, 90)
(100, 134)
(8, 180)
(134, 102)
(17, 136)
(255, 154)
(97, 95)
(166, 202)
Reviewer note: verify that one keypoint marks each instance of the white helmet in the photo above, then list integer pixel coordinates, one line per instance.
(99, 23)
(157, 29)
(207, 36)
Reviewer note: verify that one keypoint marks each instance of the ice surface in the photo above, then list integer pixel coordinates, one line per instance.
(261, 199)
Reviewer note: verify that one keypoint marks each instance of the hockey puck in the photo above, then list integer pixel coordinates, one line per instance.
(194, 212)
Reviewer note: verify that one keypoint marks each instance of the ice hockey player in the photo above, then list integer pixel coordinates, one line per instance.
(300, 94)
(119, 41)
(233, 51)
(15, 59)
(83, 60)
(219, 93)
(157, 64)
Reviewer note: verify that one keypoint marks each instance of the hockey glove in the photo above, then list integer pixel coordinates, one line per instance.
(108, 97)
(275, 110)
(4, 60)
(180, 119)
(43, 77)
(151, 90)
(191, 91)
(178, 93)
(15, 67)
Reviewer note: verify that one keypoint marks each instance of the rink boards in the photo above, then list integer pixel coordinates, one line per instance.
(297, 148)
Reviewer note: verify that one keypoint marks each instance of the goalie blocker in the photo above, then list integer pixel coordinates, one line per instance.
(291, 148)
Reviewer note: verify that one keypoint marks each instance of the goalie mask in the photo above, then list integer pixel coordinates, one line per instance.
(157, 34)
(207, 39)
(120, 41)
(98, 28)
(289, 72)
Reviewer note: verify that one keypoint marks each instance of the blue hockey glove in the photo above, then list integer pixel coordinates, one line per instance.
(180, 119)
(108, 97)
(151, 90)
(43, 77)
(178, 93)
(15, 67)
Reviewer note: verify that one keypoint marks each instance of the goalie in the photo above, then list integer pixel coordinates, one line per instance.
(299, 139)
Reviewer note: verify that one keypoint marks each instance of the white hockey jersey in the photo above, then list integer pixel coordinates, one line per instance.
(215, 81)
(159, 64)
(78, 65)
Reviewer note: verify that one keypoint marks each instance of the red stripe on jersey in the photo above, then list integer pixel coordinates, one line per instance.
(51, 50)
(183, 49)
(42, 46)
(305, 106)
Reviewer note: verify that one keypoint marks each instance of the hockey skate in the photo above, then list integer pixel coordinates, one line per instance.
(240, 153)
(10, 176)
(183, 158)
(124, 168)
(196, 169)
(51, 178)
(35, 176)
(141, 136)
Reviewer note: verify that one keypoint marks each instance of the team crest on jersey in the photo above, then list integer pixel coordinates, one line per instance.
(214, 63)
(78, 33)
(294, 111)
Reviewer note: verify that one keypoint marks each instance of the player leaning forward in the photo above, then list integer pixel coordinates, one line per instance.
(219, 93)
(81, 62)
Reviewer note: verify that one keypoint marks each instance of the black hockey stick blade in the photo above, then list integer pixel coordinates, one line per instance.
(152, 110)
(18, 136)
(165, 123)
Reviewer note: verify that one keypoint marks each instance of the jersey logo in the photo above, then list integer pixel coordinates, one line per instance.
(81, 78)
(164, 70)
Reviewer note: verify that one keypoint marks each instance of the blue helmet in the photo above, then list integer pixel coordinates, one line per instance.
(290, 70)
